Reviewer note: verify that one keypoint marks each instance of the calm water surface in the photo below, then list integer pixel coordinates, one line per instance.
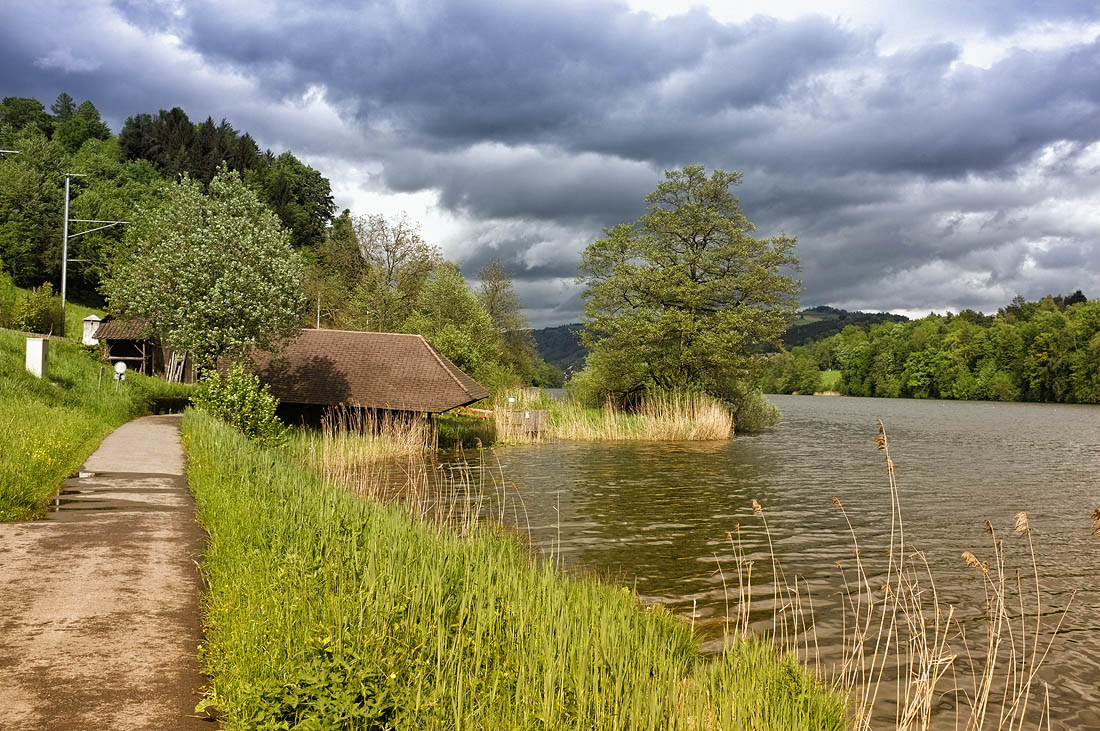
(656, 515)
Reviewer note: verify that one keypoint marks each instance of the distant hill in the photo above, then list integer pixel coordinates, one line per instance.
(561, 345)
(820, 322)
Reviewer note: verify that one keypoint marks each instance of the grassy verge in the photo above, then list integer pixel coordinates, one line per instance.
(329, 611)
(49, 427)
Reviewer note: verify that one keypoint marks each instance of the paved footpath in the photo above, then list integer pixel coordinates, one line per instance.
(99, 601)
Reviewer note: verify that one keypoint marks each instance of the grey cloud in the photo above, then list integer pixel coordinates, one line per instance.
(529, 183)
(910, 178)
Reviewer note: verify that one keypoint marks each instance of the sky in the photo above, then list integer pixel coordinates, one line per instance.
(928, 156)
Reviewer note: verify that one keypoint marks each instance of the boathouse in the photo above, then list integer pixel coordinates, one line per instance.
(320, 369)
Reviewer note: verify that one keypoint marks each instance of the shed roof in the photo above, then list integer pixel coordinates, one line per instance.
(122, 330)
(375, 370)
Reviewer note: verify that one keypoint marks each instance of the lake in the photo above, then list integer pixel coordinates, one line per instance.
(655, 516)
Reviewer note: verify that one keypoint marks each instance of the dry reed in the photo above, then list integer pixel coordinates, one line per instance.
(901, 640)
(388, 457)
(357, 448)
(659, 417)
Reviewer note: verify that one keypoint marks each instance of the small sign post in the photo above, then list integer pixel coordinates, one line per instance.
(120, 374)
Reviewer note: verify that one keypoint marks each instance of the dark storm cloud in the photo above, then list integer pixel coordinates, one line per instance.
(911, 179)
(592, 77)
(496, 182)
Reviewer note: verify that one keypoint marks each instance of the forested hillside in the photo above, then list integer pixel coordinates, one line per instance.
(1046, 350)
(561, 346)
(358, 272)
(120, 175)
(820, 322)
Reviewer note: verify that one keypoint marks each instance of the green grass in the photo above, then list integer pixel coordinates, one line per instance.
(74, 319)
(830, 380)
(325, 611)
(49, 427)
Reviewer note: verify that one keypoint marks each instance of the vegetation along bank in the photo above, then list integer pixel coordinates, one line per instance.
(328, 611)
(1046, 350)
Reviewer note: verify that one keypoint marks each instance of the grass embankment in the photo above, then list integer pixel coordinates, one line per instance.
(659, 417)
(49, 427)
(74, 319)
(329, 611)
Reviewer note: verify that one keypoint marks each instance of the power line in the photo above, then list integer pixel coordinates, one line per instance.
(65, 237)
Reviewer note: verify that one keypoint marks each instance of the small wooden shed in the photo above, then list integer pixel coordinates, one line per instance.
(381, 371)
(132, 343)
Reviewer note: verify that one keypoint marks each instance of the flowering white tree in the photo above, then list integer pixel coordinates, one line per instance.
(212, 273)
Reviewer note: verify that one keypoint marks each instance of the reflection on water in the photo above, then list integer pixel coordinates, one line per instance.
(656, 515)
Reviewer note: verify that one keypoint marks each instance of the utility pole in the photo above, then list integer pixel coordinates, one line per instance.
(8, 152)
(65, 242)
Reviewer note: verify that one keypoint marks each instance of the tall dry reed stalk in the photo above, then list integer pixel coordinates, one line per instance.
(902, 641)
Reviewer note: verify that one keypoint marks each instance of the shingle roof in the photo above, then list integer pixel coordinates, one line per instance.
(375, 370)
(122, 330)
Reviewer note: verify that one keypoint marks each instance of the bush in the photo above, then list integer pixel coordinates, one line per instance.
(239, 400)
(752, 412)
(38, 311)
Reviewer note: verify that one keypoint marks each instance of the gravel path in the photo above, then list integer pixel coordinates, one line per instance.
(99, 601)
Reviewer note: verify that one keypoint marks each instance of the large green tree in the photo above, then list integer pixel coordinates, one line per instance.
(499, 299)
(63, 107)
(300, 196)
(19, 112)
(398, 263)
(81, 125)
(683, 297)
(450, 316)
(212, 274)
(31, 206)
(335, 267)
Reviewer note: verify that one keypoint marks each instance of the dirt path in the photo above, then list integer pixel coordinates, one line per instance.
(99, 601)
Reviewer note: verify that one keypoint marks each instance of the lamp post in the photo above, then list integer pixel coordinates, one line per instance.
(65, 242)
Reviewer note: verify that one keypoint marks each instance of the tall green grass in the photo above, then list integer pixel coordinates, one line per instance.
(49, 427)
(326, 611)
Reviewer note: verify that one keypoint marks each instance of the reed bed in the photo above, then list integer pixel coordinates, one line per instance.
(904, 646)
(659, 417)
(355, 448)
(325, 610)
(435, 617)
